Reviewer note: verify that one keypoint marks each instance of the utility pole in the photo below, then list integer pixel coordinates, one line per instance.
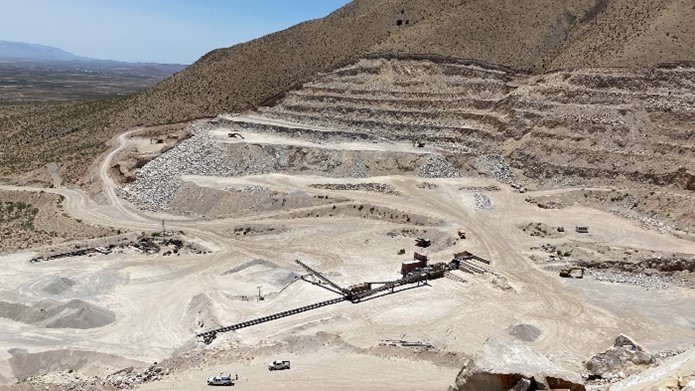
(259, 293)
(163, 230)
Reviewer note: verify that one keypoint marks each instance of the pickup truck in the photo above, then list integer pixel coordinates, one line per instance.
(222, 380)
(278, 365)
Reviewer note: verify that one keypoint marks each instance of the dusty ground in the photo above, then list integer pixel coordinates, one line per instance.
(31, 219)
(159, 303)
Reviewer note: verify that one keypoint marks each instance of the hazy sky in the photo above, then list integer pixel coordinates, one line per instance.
(151, 30)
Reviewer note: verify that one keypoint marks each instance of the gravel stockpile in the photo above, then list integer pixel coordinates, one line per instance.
(482, 201)
(496, 167)
(358, 170)
(248, 189)
(525, 332)
(426, 185)
(375, 187)
(480, 188)
(436, 166)
(159, 180)
(643, 280)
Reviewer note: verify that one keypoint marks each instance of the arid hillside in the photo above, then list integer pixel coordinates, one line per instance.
(533, 36)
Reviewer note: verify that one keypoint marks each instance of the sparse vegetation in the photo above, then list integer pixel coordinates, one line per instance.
(547, 35)
(27, 221)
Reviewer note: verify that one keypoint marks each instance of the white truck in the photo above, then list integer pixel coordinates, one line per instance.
(222, 380)
(279, 365)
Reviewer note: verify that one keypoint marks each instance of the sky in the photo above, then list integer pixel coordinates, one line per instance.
(165, 31)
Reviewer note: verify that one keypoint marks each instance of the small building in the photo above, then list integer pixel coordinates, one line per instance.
(409, 266)
(582, 229)
(420, 257)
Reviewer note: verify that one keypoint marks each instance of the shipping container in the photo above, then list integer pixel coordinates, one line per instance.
(409, 266)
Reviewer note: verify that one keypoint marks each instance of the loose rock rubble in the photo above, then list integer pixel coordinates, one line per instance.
(496, 167)
(480, 188)
(625, 357)
(375, 187)
(482, 201)
(511, 366)
(426, 185)
(652, 282)
(652, 273)
(159, 180)
(248, 189)
(436, 166)
(129, 378)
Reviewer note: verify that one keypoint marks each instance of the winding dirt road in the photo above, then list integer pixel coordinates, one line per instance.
(160, 302)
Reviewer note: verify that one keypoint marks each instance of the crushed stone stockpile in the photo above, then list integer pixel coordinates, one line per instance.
(436, 166)
(159, 180)
(375, 187)
(76, 314)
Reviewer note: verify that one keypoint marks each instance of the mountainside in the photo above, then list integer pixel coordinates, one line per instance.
(535, 36)
(565, 128)
(30, 51)
(530, 36)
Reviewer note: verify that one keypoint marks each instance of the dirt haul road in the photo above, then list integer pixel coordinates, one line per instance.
(159, 303)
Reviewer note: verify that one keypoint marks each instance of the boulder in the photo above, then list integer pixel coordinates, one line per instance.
(504, 366)
(625, 355)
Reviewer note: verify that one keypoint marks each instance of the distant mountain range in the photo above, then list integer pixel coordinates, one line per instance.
(30, 51)
(40, 73)
(22, 52)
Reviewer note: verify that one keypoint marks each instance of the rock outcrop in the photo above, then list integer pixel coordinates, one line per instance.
(625, 355)
(512, 366)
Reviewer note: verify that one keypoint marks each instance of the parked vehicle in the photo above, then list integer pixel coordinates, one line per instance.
(279, 365)
(222, 380)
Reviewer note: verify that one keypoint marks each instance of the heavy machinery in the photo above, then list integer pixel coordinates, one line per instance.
(355, 293)
(422, 242)
(418, 143)
(572, 272)
(335, 287)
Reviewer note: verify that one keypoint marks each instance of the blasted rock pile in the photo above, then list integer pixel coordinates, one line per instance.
(436, 166)
(159, 180)
(375, 187)
(482, 201)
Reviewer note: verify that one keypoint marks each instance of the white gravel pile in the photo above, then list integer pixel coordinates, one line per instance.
(639, 279)
(375, 187)
(482, 201)
(436, 166)
(496, 167)
(159, 180)
(247, 189)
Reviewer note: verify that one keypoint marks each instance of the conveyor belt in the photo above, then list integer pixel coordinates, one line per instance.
(253, 322)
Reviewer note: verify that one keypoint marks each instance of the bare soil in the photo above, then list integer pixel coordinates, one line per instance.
(248, 270)
(29, 219)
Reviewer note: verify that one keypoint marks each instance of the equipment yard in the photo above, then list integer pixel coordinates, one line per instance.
(354, 313)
